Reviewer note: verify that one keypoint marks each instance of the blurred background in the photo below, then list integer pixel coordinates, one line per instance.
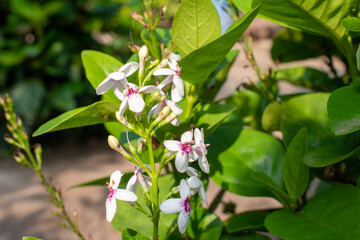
(40, 63)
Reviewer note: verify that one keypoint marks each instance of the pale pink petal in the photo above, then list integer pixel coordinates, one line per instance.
(192, 172)
(175, 95)
(184, 189)
(176, 121)
(173, 65)
(104, 86)
(132, 184)
(174, 107)
(153, 111)
(164, 71)
(117, 76)
(202, 194)
(149, 89)
(198, 136)
(181, 161)
(110, 205)
(136, 103)
(123, 106)
(203, 163)
(125, 195)
(187, 136)
(133, 86)
(172, 205)
(183, 220)
(148, 180)
(178, 82)
(194, 182)
(165, 82)
(119, 93)
(174, 57)
(193, 156)
(172, 145)
(115, 179)
(129, 68)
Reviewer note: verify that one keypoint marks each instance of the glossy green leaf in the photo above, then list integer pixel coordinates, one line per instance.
(351, 24)
(270, 120)
(308, 110)
(97, 67)
(291, 45)
(198, 65)
(245, 236)
(128, 217)
(309, 77)
(295, 172)
(235, 153)
(129, 234)
(204, 225)
(196, 23)
(344, 111)
(115, 128)
(326, 155)
(210, 116)
(273, 187)
(247, 221)
(332, 214)
(97, 113)
(30, 238)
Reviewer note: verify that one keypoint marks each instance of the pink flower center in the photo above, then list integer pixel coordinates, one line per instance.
(186, 205)
(111, 194)
(185, 148)
(130, 91)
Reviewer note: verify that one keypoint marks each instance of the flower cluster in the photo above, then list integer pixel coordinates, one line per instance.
(160, 108)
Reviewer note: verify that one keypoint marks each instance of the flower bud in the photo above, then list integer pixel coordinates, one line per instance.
(143, 53)
(154, 96)
(163, 114)
(115, 145)
(153, 64)
(20, 158)
(163, 63)
(141, 143)
(38, 154)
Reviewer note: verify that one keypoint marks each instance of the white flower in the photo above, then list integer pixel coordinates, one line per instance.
(201, 151)
(132, 97)
(183, 149)
(117, 80)
(115, 193)
(137, 178)
(179, 205)
(196, 184)
(166, 102)
(177, 88)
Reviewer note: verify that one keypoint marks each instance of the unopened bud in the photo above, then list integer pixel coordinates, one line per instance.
(168, 119)
(123, 121)
(163, 10)
(143, 53)
(163, 63)
(163, 114)
(115, 145)
(154, 96)
(8, 116)
(141, 143)
(154, 63)
(38, 154)
(2, 101)
(20, 158)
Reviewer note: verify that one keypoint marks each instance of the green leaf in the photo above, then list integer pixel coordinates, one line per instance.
(97, 67)
(245, 236)
(128, 217)
(247, 221)
(308, 77)
(270, 120)
(31, 238)
(291, 45)
(210, 116)
(235, 153)
(326, 155)
(295, 172)
(196, 23)
(344, 111)
(308, 110)
(204, 225)
(198, 65)
(332, 214)
(351, 24)
(99, 112)
(275, 189)
(129, 234)
(114, 128)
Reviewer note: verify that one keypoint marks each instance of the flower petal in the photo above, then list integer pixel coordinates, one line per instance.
(192, 172)
(136, 103)
(125, 195)
(115, 179)
(123, 106)
(117, 76)
(173, 65)
(203, 163)
(172, 205)
(202, 194)
(176, 121)
(129, 68)
(194, 182)
(178, 82)
(110, 205)
(132, 184)
(165, 82)
(187, 136)
(184, 189)
(183, 220)
(104, 86)
(172, 145)
(149, 89)
(174, 107)
(198, 136)
(175, 95)
(181, 161)
(163, 71)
